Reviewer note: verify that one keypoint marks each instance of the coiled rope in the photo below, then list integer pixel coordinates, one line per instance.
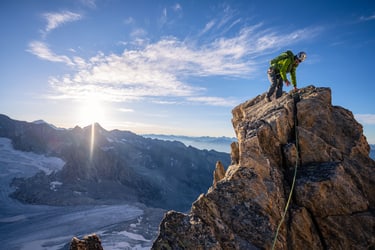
(295, 97)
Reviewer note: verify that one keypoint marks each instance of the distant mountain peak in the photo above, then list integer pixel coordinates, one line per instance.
(38, 122)
(96, 125)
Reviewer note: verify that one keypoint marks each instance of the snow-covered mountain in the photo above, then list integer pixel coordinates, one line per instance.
(107, 166)
(372, 151)
(71, 182)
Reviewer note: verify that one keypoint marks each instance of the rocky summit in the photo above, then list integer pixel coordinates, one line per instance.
(299, 144)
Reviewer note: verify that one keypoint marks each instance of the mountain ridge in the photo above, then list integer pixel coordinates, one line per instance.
(119, 166)
(220, 144)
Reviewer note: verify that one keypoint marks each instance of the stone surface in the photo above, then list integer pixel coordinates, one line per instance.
(89, 242)
(333, 201)
(219, 173)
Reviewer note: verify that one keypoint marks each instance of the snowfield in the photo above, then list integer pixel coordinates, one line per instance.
(27, 163)
(24, 226)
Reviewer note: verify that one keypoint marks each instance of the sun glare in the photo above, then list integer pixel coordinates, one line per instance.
(91, 111)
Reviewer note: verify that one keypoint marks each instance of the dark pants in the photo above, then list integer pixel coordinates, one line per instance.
(276, 83)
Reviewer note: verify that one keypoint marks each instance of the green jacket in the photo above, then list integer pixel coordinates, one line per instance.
(285, 66)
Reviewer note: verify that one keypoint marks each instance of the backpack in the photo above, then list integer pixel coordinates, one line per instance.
(282, 56)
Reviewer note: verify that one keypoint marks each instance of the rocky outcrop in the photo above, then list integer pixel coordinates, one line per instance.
(89, 242)
(333, 200)
(219, 173)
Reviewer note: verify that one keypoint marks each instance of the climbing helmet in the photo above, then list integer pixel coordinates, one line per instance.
(301, 56)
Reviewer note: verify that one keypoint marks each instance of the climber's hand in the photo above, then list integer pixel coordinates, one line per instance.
(287, 83)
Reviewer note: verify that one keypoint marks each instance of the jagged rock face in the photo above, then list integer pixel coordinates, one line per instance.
(333, 200)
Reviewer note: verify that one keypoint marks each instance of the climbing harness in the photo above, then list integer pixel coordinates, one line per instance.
(296, 98)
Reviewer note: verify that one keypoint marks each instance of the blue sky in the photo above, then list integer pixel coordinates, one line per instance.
(176, 67)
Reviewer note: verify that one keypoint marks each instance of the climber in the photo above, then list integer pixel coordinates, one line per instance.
(285, 63)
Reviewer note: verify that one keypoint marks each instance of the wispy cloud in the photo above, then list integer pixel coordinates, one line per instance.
(163, 69)
(41, 50)
(138, 33)
(213, 101)
(89, 3)
(163, 18)
(126, 110)
(129, 20)
(228, 15)
(368, 119)
(221, 25)
(56, 19)
(367, 18)
(207, 27)
(177, 7)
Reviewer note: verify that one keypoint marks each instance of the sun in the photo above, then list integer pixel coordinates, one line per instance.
(91, 110)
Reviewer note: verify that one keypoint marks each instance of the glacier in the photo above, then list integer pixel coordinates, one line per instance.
(26, 226)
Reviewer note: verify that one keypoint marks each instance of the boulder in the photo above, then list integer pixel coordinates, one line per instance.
(89, 242)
